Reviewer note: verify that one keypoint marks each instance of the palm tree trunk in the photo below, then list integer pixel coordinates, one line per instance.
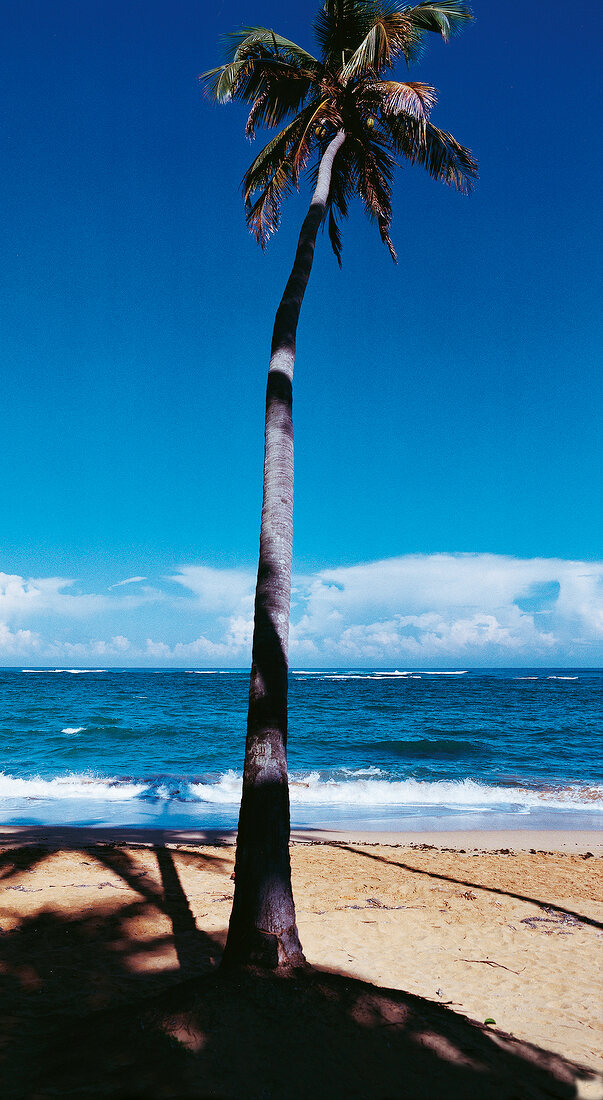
(262, 928)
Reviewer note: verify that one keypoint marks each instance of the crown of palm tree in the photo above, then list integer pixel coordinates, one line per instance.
(349, 87)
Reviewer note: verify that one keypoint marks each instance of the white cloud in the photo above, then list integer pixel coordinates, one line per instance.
(129, 580)
(22, 598)
(15, 643)
(443, 606)
(443, 581)
(239, 633)
(111, 650)
(218, 590)
(199, 651)
(430, 636)
(440, 609)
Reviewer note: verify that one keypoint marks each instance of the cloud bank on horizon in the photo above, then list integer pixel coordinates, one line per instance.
(441, 609)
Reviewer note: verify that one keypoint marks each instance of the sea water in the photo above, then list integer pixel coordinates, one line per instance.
(368, 749)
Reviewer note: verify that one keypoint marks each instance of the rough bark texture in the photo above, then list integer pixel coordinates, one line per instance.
(262, 928)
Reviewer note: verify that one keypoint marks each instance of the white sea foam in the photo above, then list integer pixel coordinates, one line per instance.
(73, 729)
(360, 787)
(387, 675)
(562, 677)
(72, 671)
(366, 675)
(358, 773)
(312, 789)
(397, 675)
(69, 786)
(464, 672)
(379, 675)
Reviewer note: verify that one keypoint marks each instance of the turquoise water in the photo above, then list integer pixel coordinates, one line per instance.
(367, 748)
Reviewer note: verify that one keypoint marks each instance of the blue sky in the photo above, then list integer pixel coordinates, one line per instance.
(447, 410)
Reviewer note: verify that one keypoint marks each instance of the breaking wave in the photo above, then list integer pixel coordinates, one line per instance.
(315, 789)
(415, 674)
(363, 787)
(71, 671)
(69, 786)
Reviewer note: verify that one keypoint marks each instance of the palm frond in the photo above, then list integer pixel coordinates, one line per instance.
(340, 27)
(243, 42)
(254, 55)
(360, 40)
(318, 108)
(274, 172)
(396, 96)
(372, 55)
(444, 158)
(398, 31)
(220, 82)
(447, 18)
(374, 170)
(277, 94)
(335, 236)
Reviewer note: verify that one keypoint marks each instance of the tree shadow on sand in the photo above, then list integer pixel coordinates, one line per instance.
(81, 1019)
(545, 905)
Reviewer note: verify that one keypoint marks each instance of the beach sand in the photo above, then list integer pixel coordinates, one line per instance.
(110, 944)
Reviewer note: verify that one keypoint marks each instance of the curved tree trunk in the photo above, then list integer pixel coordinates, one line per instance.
(262, 928)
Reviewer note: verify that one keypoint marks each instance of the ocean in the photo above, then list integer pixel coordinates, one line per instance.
(368, 749)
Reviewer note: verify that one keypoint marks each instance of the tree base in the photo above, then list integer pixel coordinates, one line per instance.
(264, 950)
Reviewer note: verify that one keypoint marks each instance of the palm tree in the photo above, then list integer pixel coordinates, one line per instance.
(345, 121)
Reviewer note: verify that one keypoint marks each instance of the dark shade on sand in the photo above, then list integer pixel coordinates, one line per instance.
(78, 1020)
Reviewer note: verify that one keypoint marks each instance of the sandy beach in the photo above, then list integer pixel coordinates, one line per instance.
(109, 939)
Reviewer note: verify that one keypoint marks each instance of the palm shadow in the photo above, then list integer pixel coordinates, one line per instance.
(545, 905)
(17, 860)
(81, 1018)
